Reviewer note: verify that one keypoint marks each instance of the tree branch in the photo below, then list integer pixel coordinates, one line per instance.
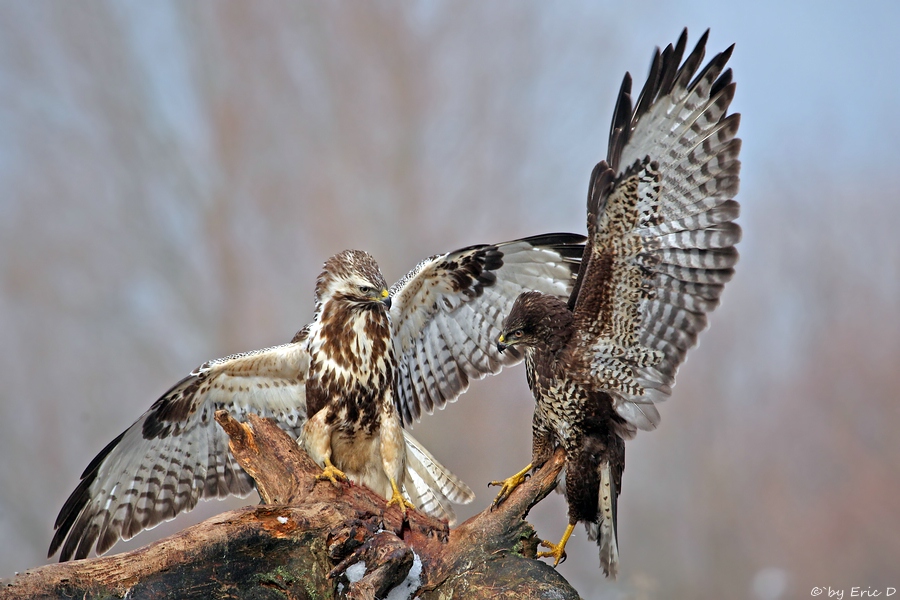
(306, 537)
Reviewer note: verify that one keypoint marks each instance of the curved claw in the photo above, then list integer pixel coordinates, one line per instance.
(508, 485)
(557, 551)
(398, 499)
(402, 502)
(332, 474)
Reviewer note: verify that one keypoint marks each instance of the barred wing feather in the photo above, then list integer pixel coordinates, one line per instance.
(430, 485)
(661, 231)
(446, 313)
(176, 453)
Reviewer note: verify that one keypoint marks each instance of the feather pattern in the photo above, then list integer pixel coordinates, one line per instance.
(430, 485)
(683, 232)
(176, 453)
(447, 312)
(444, 318)
(660, 247)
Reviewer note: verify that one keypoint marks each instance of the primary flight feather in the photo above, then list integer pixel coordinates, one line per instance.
(371, 360)
(661, 237)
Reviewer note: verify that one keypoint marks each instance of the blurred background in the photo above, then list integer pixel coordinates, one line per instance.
(174, 174)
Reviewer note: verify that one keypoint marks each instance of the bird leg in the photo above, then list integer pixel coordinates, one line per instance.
(393, 453)
(316, 440)
(398, 499)
(509, 484)
(331, 473)
(557, 551)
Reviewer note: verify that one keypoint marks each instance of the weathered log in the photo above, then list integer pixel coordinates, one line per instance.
(310, 538)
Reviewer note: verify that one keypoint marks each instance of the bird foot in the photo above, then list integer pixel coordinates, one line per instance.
(332, 474)
(508, 485)
(402, 502)
(557, 551)
(398, 499)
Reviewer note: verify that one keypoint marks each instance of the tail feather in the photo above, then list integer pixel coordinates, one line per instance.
(432, 483)
(426, 498)
(604, 532)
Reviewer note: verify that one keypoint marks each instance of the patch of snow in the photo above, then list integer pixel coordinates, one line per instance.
(410, 585)
(356, 571)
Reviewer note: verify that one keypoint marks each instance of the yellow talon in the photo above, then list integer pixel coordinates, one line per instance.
(398, 499)
(331, 473)
(508, 485)
(557, 551)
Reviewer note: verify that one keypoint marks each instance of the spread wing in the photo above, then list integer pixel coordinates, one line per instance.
(447, 312)
(661, 230)
(176, 453)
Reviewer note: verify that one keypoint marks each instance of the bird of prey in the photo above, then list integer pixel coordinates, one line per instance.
(660, 247)
(371, 360)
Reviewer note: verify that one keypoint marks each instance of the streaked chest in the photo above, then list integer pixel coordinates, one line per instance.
(352, 364)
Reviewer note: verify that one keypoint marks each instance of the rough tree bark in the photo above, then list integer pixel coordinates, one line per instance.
(306, 535)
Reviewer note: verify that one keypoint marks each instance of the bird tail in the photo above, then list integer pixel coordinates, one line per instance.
(604, 531)
(430, 485)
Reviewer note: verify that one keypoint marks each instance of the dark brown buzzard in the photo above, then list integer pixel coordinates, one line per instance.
(661, 238)
(371, 359)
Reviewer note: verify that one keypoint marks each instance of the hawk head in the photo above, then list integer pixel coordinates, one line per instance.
(535, 319)
(353, 277)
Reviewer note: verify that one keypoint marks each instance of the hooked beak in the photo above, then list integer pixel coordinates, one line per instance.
(385, 299)
(501, 345)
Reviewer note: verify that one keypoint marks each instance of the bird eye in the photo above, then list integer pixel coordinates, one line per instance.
(518, 333)
(365, 289)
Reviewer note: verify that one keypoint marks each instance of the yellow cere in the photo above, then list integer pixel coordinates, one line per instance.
(384, 293)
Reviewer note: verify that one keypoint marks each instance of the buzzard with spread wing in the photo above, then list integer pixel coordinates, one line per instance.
(661, 238)
(371, 360)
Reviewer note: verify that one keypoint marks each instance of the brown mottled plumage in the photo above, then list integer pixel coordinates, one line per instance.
(352, 376)
(353, 371)
(661, 238)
